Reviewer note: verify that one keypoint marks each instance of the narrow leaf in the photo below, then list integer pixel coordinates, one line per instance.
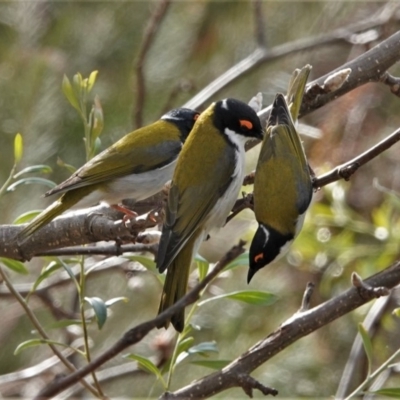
(46, 272)
(91, 80)
(147, 365)
(38, 342)
(145, 261)
(185, 344)
(367, 345)
(14, 265)
(69, 92)
(41, 169)
(396, 312)
(18, 148)
(242, 260)
(26, 217)
(111, 302)
(77, 83)
(70, 273)
(99, 308)
(389, 392)
(247, 296)
(203, 266)
(30, 181)
(64, 323)
(97, 121)
(204, 348)
(69, 167)
(213, 364)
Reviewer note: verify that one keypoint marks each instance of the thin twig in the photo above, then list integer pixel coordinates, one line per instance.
(296, 327)
(136, 334)
(345, 171)
(148, 38)
(260, 56)
(261, 37)
(41, 331)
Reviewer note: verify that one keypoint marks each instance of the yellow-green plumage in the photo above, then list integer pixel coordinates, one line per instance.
(176, 282)
(282, 182)
(136, 167)
(205, 185)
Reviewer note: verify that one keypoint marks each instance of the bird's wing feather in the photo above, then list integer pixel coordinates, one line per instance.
(282, 155)
(188, 209)
(137, 152)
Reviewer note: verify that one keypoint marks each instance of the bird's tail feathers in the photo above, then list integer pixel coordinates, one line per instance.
(46, 216)
(175, 284)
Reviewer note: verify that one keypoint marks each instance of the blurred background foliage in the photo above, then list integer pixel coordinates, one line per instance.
(351, 226)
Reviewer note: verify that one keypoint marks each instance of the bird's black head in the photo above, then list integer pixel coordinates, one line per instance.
(183, 118)
(265, 247)
(237, 117)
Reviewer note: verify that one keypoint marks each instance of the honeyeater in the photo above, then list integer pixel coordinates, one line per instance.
(282, 184)
(204, 188)
(136, 167)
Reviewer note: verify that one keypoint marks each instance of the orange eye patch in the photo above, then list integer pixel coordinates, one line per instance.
(196, 116)
(258, 257)
(246, 124)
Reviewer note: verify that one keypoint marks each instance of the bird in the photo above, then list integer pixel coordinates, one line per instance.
(204, 188)
(282, 184)
(137, 166)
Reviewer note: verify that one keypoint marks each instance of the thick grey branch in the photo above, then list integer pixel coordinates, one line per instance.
(296, 327)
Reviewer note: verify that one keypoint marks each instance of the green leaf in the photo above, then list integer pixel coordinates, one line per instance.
(147, 365)
(396, 312)
(45, 273)
(367, 345)
(14, 265)
(77, 83)
(204, 348)
(97, 120)
(30, 181)
(26, 217)
(242, 260)
(389, 392)
(203, 266)
(62, 164)
(64, 323)
(69, 92)
(99, 308)
(184, 345)
(91, 80)
(70, 273)
(247, 296)
(42, 169)
(213, 364)
(111, 302)
(37, 342)
(145, 261)
(18, 148)
(29, 343)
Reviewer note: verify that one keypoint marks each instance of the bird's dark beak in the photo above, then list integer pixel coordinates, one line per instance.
(250, 274)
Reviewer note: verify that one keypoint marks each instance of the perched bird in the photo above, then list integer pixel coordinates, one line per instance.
(136, 166)
(282, 183)
(204, 188)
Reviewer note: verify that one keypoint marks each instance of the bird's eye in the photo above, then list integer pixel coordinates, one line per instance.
(196, 116)
(258, 257)
(244, 123)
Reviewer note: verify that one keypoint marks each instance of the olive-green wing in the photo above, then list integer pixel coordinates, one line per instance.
(282, 172)
(137, 152)
(191, 200)
(296, 90)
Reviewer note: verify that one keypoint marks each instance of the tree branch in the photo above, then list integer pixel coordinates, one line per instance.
(149, 34)
(136, 334)
(262, 55)
(293, 329)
